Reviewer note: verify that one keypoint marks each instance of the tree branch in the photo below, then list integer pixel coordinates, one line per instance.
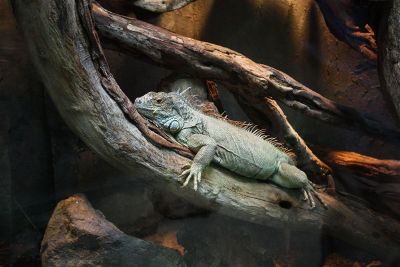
(238, 73)
(61, 53)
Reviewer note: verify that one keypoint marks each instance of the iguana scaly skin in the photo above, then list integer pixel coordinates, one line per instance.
(236, 149)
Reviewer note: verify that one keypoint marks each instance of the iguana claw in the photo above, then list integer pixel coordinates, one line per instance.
(308, 195)
(193, 172)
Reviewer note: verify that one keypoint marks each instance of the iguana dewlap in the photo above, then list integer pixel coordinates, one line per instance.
(239, 150)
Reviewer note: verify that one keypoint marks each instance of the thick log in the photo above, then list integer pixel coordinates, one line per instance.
(78, 235)
(61, 54)
(389, 54)
(237, 72)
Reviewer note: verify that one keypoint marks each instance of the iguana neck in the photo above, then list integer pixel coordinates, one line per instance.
(192, 119)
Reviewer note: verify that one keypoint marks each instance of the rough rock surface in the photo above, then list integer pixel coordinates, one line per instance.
(78, 235)
(390, 55)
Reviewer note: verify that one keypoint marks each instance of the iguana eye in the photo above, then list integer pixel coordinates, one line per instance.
(159, 100)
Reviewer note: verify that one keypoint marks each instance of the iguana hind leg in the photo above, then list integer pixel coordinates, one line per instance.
(289, 176)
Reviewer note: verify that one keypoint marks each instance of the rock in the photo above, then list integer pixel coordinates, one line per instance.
(78, 235)
(389, 57)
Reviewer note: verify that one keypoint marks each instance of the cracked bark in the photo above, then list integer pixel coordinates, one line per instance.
(66, 61)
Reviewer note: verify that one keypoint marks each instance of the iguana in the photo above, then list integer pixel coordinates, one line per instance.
(239, 150)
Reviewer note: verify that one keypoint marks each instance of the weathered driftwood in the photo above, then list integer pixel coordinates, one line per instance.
(240, 74)
(78, 235)
(161, 5)
(61, 54)
(389, 54)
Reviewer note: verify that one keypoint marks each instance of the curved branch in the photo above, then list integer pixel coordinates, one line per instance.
(238, 73)
(61, 54)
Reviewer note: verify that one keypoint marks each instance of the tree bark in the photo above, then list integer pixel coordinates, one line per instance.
(238, 73)
(63, 56)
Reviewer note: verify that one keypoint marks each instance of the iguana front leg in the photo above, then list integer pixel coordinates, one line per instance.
(205, 147)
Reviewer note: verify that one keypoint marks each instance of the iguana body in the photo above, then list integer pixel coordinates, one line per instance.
(238, 150)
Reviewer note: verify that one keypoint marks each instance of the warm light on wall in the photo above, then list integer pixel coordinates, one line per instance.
(188, 21)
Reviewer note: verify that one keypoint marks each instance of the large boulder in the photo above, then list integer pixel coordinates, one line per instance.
(79, 235)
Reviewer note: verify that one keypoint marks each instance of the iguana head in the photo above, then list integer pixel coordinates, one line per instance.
(166, 110)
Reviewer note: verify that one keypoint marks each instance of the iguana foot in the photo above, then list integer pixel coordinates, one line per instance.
(308, 193)
(193, 172)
